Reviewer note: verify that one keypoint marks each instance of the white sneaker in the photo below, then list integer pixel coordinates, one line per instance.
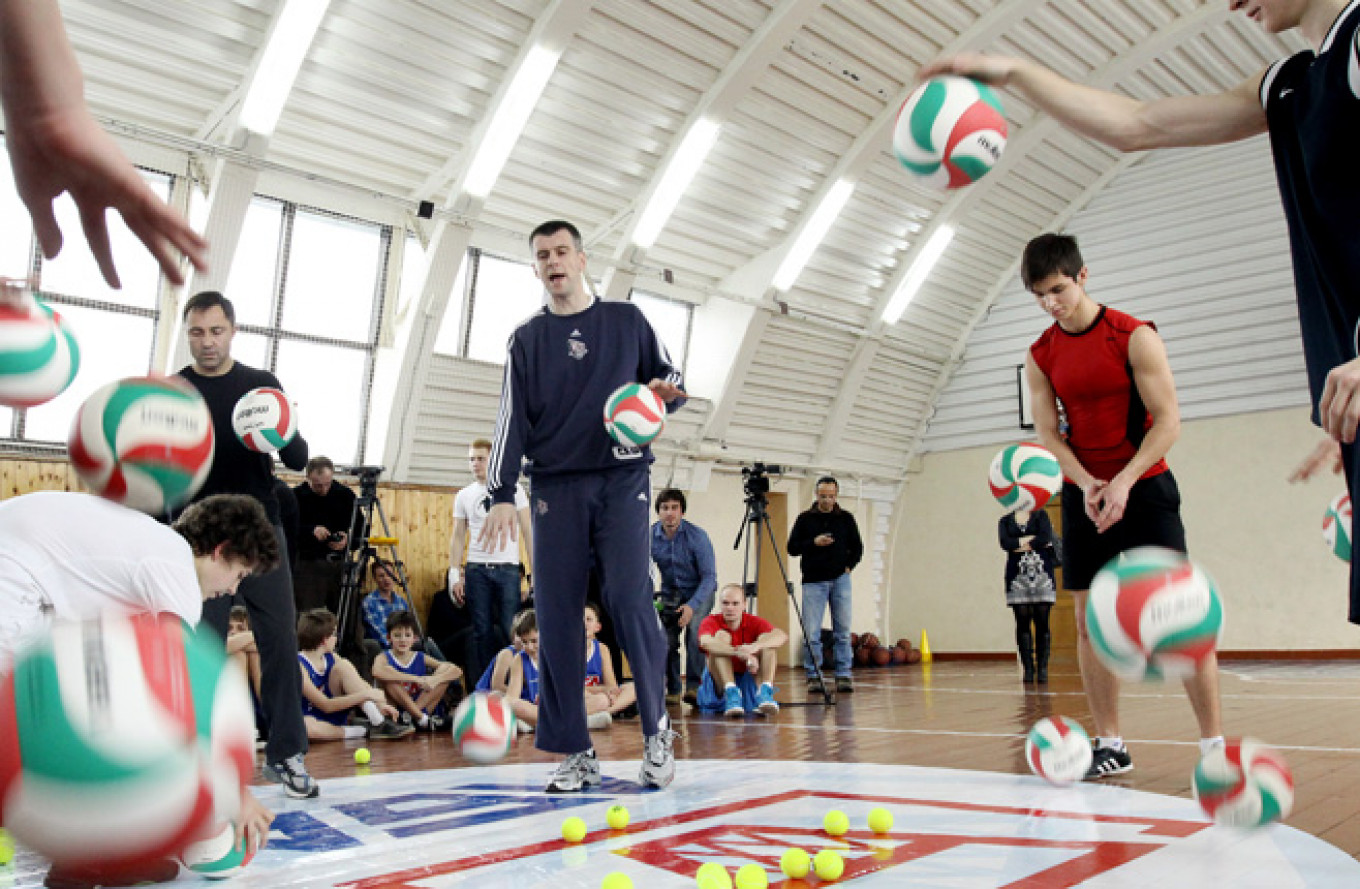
(577, 771)
(658, 759)
(600, 720)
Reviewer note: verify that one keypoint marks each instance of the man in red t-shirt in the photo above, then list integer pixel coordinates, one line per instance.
(1111, 372)
(739, 648)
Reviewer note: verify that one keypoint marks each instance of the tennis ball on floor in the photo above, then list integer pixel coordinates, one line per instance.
(617, 817)
(6, 847)
(710, 881)
(573, 830)
(836, 823)
(714, 873)
(795, 863)
(752, 876)
(362, 756)
(829, 865)
(880, 820)
(616, 880)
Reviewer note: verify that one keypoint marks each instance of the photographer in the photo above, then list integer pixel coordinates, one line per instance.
(828, 540)
(689, 580)
(325, 511)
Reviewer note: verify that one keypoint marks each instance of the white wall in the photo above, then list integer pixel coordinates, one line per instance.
(1258, 536)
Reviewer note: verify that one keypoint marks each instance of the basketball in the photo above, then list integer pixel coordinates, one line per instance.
(1058, 750)
(634, 415)
(882, 657)
(1152, 613)
(219, 856)
(1024, 476)
(899, 655)
(264, 420)
(484, 727)
(1243, 783)
(863, 655)
(950, 132)
(869, 640)
(904, 643)
(143, 442)
(39, 356)
(914, 656)
(125, 739)
(1336, 526)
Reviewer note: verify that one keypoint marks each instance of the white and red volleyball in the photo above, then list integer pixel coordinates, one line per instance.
(1024, 476)
(1152, 613)
(950, 132)
(145, 442)
(264, 420)
(1336, 526)
(634, 415)
(1244, 783)
(121, 741)
(484, 727)
(1058, 750)
(39, 356)
(219, 855)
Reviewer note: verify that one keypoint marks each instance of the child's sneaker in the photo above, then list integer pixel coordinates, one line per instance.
(389, 731)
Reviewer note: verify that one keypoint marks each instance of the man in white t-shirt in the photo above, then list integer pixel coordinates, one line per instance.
(490, 582)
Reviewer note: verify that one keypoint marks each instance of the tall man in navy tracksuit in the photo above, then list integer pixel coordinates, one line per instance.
(590, 498)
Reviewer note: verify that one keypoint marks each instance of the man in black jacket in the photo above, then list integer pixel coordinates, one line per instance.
(827, 538)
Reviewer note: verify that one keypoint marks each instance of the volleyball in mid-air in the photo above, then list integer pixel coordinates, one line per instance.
(124, 739)
(1024, 476)
(1336, 526)
(1152, 613)
(264, 420)
(145, 442)
(950, 132)
(1243, 783)
(634, 415)
(1058, 750)
(484, 727)
(39, 356)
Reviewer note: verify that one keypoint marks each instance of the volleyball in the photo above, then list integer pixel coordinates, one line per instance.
(144, 442)
(219, 855)
(1336, 526)
(483, 727)
(1153, 613)
(264, 420)
(1058, 750)
(634, 415)
(39, 356)
(1024, 476)
(123, 740)
(950, 131)
(1244, 783)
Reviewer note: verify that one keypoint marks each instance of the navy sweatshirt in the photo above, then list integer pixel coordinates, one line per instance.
(559, 371)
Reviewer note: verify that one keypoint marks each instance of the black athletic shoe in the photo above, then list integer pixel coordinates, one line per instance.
(1106, 761)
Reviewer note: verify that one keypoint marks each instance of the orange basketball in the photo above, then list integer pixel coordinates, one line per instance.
(882, 657)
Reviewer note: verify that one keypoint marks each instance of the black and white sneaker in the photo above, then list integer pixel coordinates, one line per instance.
(389, 731)
(292, 774)
(1106, 761)
(577, 772)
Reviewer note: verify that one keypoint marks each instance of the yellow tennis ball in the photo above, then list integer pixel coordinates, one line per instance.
(880, 820)
(836, 823)
(795, 863)
(573, 830)
(617, 880)
(362, 756)
(752, 876)
(714, 873)
(617, 817)
(6, 847)
(829, 865)
(709, 881)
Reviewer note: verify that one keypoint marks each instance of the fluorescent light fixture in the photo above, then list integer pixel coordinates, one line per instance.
(812, 234)
(917, 274)
(530, 81)
(679, 173)
(273, 81)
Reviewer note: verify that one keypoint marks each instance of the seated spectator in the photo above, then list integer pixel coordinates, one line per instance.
(738, 648)
(521, 670)
(381, 603)
(496, 676)
(241, 648)
(414, 680)
(605, 698)
(332, 688)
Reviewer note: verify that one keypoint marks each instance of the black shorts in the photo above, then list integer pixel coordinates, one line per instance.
(1152, 517)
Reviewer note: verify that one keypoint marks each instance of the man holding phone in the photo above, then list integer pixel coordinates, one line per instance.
(827, 538)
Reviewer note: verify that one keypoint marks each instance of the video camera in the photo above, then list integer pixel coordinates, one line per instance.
(755, 480)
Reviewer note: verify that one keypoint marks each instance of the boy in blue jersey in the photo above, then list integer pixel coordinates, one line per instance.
(414, 680)
(590, 497)
(1309, 103)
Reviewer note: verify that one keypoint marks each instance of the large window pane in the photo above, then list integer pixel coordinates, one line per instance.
(75, 273)
(670, 320)
(449, 342)
(507, 293)
(6, 422)
(16, 232)
(327, 384)
(112, 346)
(332, 277)
(250, 286)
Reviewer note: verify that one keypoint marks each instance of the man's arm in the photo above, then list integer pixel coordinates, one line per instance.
(856, 544)
(457, 549)
(1118, 121)
(799, 540)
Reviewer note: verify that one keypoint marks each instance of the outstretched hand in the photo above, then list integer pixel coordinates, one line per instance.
(993, 70)
(667, 392)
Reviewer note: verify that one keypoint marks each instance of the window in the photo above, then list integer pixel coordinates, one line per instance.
(333, 267)
(670, 319)
(504, 295)
(16, 232)
(254, 267)
(450, 338)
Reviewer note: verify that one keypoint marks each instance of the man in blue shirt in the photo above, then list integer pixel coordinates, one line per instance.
(689, 579)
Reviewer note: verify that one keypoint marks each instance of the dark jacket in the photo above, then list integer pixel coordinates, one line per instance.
(826, 562)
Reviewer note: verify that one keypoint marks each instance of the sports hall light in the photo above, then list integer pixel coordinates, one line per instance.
(686, 162)
(513, 113)
(273, 81)
(917, 274)
(812, 234)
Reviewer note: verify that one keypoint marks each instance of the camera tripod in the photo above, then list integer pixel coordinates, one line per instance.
(360, 551)
(757, 518)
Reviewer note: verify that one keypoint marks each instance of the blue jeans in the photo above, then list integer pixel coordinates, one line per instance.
(694, 656)
(492, 592)
(815, 596)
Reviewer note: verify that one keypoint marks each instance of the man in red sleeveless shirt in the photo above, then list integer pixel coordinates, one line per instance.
(1111, 373)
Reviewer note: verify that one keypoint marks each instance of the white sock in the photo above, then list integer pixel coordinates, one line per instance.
(355, 731)
(729, 685)
(424, 720)
(1115, 743)
(1207, 744)
(373, 713)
